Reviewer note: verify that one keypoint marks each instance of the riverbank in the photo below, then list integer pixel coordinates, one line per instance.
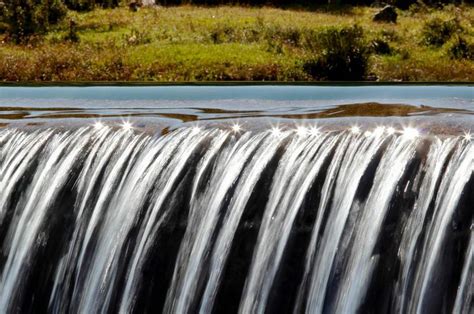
(189, 43)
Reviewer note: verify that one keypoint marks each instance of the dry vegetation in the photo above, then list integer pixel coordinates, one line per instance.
(190, 43)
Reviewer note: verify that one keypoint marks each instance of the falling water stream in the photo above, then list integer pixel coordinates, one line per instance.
(305, 217)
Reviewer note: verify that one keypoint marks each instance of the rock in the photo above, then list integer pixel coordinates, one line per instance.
(147, 3)
(134, 6)
(388, 14)
(132, 40)
(377, 4)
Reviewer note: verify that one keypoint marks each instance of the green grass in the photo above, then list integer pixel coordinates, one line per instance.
(191, 43)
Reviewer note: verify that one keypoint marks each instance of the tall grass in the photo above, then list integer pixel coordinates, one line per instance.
(340, 55)
(241, 43)
(437, 32)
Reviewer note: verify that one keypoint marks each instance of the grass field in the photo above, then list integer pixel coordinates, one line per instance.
(191, 43)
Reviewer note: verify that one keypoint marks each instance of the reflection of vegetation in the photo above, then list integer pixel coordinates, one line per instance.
(14, 116)
(236, 43)
(20, 113)
(374, 110)
(371, 109)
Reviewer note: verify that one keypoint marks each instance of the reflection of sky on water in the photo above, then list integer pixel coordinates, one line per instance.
(240, 92)
(173, 105)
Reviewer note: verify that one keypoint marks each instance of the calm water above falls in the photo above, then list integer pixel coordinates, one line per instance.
(257, 106)
(281, 201)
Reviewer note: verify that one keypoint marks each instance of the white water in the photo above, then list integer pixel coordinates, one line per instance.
(115, 193)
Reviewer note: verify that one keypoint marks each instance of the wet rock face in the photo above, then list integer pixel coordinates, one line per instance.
(388, 14)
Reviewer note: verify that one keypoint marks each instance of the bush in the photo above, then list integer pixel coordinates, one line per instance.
(222, 34)
(3, 27)
(285, 35)
(460, 48)
(380, 47)
(404, 54)
(403, 4)
(87, 5)
(72, 34)
(390, 35)
(343, 55)
(27, 17)
(437, 32)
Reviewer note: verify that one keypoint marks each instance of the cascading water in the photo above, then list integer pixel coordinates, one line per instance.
(101, 219)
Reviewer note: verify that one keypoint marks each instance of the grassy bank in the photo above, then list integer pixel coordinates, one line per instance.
(190, 43)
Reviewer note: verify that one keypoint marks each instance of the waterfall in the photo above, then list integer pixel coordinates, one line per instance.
(214, 219)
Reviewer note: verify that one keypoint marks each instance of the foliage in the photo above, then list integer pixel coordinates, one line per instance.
(27, 17)
(72, 34)
(343, 55)
(287, 35)
(418, 7)
(437, 32)
(460, 48)
(3, 27)
(222, 33)
(87, 5)
(403, 4)
(380, 46)
(175, 44)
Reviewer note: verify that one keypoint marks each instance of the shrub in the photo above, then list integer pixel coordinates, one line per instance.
(72, 34)
(87, 5)
(285, 35)
(342, 55)
(3, 27)
(389, 34)
(418, 7)
(402, 4)
(380, 47)
(27, 17)
(437, 31)
(404, 54)
(222, 34)
(460, 48)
